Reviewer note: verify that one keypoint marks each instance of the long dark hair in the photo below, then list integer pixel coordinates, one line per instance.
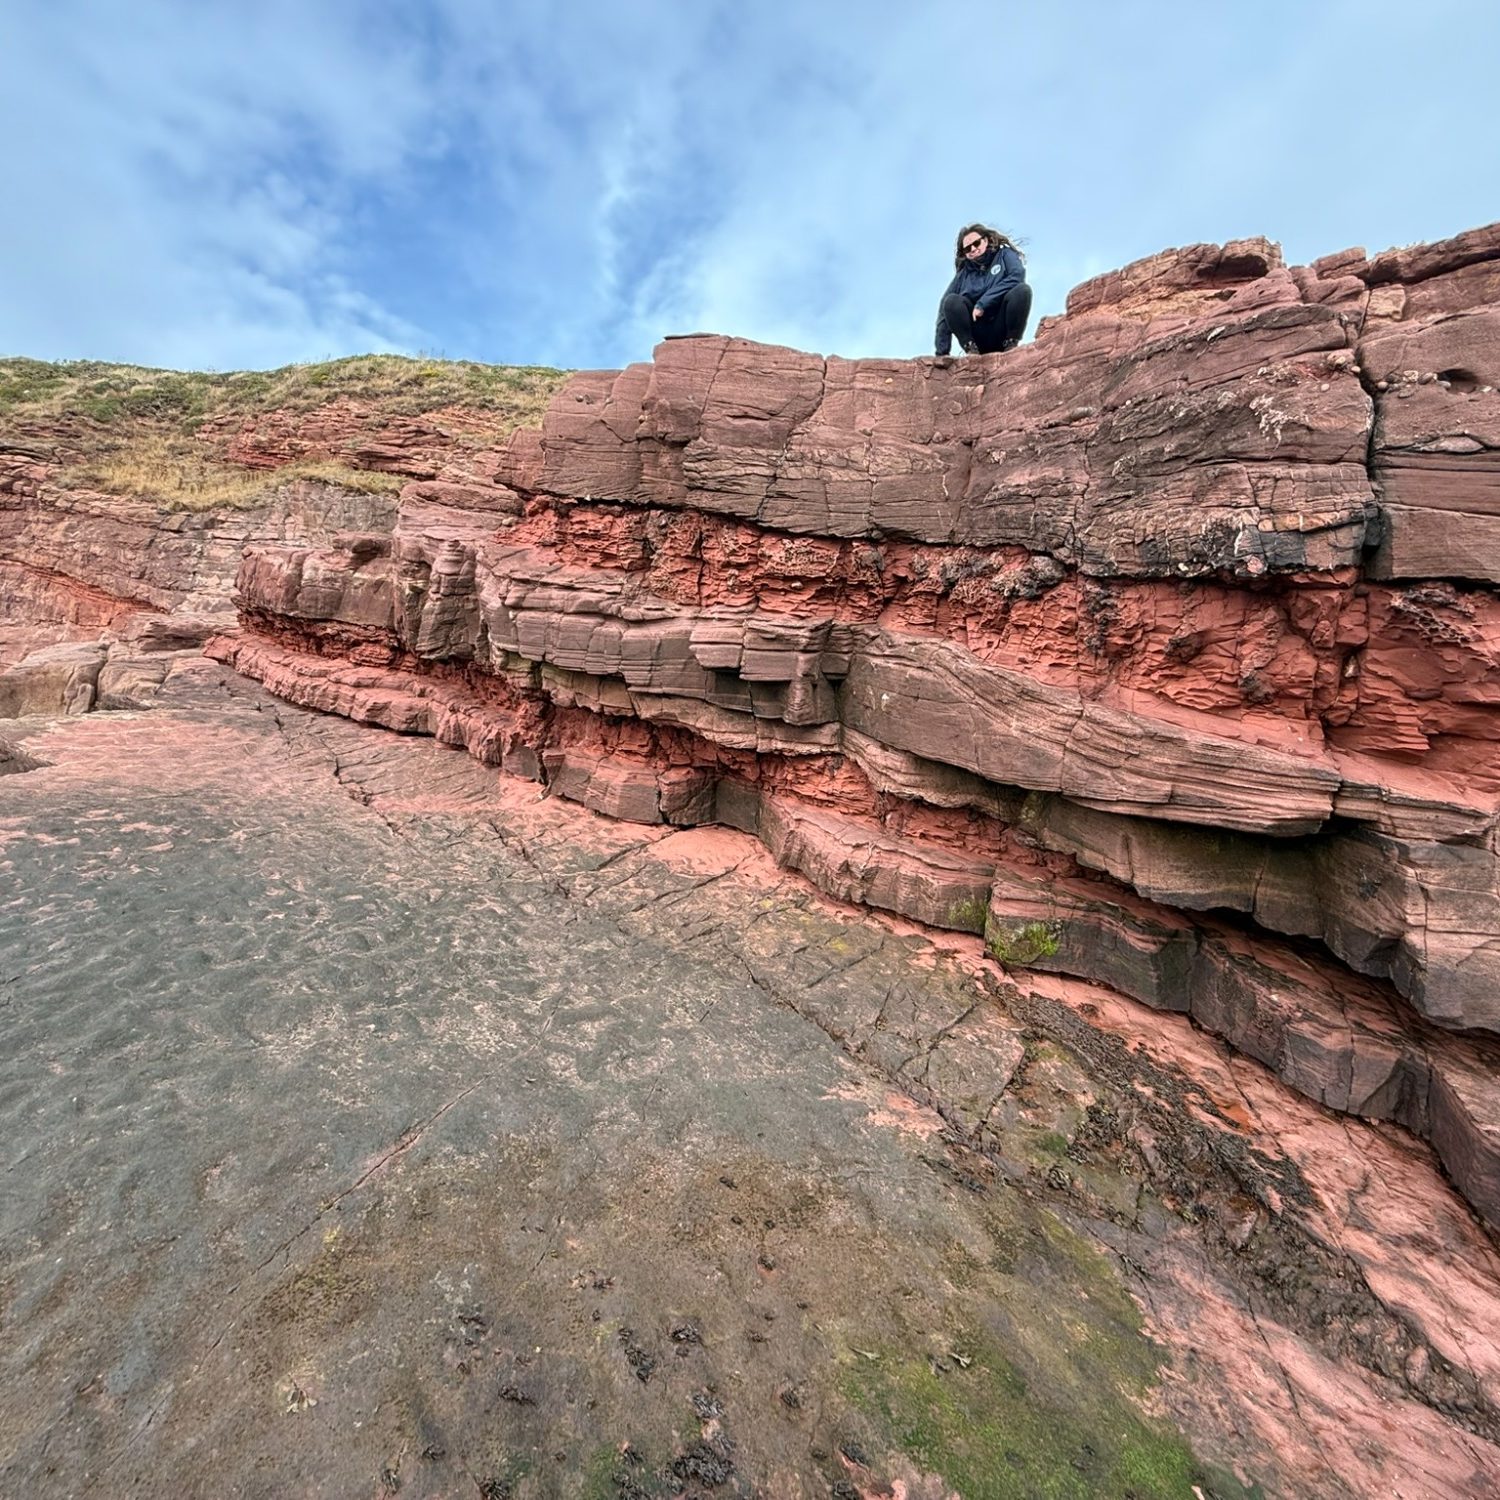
(997, 241)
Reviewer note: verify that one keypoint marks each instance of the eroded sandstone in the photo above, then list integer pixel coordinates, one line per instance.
(1151, 668)
(1185, 610)
(416, 1195)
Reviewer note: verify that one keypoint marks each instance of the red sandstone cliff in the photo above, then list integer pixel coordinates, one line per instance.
(127, 495)
(1162, 651)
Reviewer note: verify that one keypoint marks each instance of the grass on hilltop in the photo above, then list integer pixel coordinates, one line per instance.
(105, 393)
(134, 430)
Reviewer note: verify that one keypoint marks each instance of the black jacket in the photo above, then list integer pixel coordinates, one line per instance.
(984, 283)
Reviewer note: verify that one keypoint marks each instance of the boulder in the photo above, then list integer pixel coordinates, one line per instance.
(55, 680)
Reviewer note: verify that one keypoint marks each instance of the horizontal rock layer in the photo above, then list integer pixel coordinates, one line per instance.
(1345, 1042)
(74, 560)
(1164, 651)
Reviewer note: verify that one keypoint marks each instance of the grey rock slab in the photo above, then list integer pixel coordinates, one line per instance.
(362, 1130)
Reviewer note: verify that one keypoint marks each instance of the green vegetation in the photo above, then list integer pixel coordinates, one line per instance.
(968, 916)
(35, 389)
(1021, 945)
(977, 1430)
(163, 434)
(186, 475)
(607, 1474)
(1049, 1402)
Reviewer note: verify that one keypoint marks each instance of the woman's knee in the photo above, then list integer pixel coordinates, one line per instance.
(958, 310)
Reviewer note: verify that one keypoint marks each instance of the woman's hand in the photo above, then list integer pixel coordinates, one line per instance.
(978, 313)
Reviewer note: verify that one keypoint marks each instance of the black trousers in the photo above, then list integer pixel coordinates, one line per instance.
(1001, 326)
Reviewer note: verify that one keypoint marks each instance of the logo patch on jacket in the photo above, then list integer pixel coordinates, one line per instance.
(996, 269)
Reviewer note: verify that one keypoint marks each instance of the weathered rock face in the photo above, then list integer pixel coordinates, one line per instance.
(1164, 651)
(77, 556)
(100, 572)
(57, 679)
(720, 1115)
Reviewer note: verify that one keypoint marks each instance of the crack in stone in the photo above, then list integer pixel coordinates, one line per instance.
(404, 1143)
(1288, 1386)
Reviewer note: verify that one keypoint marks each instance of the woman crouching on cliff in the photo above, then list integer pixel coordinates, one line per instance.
(987, 303)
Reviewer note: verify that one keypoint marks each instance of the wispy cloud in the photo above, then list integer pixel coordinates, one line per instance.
(240, 186)
(189, 183)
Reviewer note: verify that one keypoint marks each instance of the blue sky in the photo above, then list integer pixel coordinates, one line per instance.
(214, 185)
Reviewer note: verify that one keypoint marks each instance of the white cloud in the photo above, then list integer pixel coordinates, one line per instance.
(188, 184)
(236, 186)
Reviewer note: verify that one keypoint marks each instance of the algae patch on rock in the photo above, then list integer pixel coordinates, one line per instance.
(1046, 1398)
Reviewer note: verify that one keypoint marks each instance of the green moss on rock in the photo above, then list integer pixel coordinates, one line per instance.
(968, 916)
(1020, 945)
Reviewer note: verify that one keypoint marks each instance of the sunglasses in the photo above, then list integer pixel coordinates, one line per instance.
(972, 246)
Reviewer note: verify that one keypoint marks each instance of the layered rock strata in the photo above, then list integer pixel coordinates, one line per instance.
(111, 585)
(70, 555)
(1164, 651)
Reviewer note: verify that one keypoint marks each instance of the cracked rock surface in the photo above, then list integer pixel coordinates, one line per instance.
(1164, 652)
(381, 1119)
(375, 1127)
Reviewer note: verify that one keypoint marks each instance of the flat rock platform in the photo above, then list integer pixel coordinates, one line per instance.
(371, 1127)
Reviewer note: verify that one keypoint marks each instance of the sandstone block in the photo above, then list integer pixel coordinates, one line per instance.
(131, 681)
(55, 680)
(852, 862)
(933, 699)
